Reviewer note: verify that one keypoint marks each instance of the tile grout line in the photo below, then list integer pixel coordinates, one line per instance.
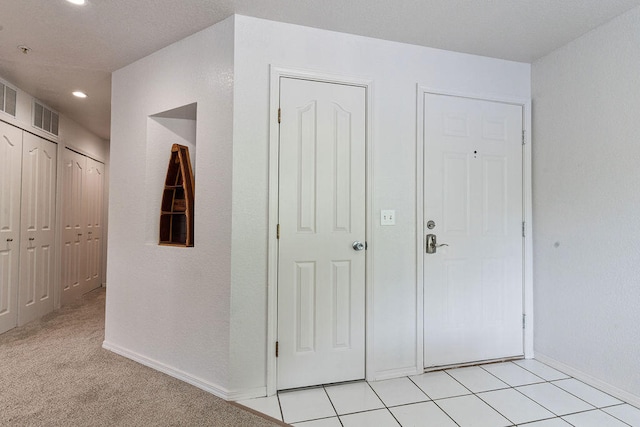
(591, 410)
(332, 405)
(546, 380)
(456, 380)
(579, 398)
(611, 415)
(280, 406)
(384, 404)
(494, 375)
(513, 387)
(551, 382)
(434, 401)
(585, 384)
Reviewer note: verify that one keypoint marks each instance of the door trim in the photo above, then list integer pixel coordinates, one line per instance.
(272, 262)
(527, 308)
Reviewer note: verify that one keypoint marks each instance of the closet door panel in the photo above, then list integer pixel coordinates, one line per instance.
(10, 179)
(73, 245)
(82, 192)
(35, 296)
(95, 185)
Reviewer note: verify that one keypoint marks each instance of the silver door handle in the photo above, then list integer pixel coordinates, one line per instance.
(357, 246)
(432, 244)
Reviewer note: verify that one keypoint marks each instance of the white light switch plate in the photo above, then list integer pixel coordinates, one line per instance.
(387, 217)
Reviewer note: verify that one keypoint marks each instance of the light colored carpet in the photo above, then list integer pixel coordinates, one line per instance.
(54, 372)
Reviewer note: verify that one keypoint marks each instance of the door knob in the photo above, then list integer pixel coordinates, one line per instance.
(432, 244)
(357, 246)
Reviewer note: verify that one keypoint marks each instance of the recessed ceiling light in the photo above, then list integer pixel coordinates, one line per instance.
(78, 2)
(79, 94)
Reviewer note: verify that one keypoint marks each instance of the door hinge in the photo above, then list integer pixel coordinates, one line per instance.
(278, 231)
(279, 115)
(277, 348)
(524, 321)
(524, 227)
(524, 140)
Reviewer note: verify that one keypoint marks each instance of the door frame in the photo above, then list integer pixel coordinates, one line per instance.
(276, 73)
(527, 303)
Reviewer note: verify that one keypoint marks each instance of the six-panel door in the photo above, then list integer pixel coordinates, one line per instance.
(473, 194)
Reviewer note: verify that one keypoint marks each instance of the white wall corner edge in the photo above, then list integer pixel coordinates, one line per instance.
(614, 391)
(214, 389)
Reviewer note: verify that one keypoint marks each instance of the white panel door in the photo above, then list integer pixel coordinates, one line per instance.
(74, 251)
(82, 191)
(93, 224)
(35, 296)
(321, 277)
(473, 294)
(10, 176)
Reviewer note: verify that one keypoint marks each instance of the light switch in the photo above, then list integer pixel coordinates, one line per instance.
(387, 217)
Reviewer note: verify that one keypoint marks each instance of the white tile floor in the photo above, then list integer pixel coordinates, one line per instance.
(521, 393)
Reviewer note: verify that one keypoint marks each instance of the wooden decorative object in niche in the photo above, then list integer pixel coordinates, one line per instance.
(176, 212)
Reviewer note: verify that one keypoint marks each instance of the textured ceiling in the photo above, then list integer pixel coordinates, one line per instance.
(78, 47)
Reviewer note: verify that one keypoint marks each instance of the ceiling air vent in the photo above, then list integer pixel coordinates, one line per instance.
(45, 119)
(7, 100)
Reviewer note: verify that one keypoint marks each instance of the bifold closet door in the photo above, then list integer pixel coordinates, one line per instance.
(10, 176)
(82, 191)
(93, 223)
(73, 243)
(35, 295)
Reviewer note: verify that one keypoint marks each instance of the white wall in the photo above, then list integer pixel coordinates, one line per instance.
(169, 307)
(395, 69)
(76, 137)
(586, 98)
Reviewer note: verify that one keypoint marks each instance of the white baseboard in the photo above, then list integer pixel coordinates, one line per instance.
(247, 394)
(592, 381)
(214, 389)
(394, 373)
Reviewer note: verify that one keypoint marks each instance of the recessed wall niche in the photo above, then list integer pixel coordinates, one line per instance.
(164, 129)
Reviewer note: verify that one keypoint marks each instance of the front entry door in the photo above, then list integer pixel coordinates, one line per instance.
(473, 205)
(321, 265)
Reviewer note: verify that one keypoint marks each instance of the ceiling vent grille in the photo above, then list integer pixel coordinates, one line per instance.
(45, 119)
(7, 100)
